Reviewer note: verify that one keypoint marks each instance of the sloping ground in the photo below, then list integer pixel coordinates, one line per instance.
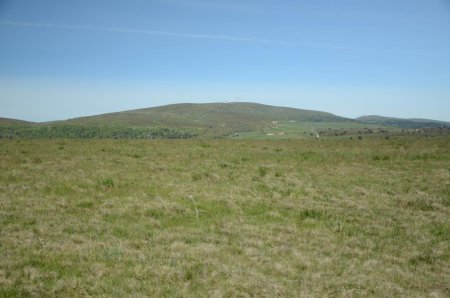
(248, 120)
(209, 119)
(402, 123)
(238, 116)
(9, 121)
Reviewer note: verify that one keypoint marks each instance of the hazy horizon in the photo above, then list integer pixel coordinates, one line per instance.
(61, 60)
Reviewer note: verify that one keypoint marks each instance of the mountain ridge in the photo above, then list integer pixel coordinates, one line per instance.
(212, 112)
(402, 122)
(233, 116)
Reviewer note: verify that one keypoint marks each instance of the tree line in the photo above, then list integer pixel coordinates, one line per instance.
(73, 131)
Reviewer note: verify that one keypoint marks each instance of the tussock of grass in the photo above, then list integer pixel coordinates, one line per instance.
(225, 218)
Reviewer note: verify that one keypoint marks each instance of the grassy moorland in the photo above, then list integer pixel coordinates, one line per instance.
(312, 218)
(243, 120)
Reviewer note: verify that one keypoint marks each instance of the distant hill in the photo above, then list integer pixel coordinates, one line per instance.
(402, 123)
(12, 122)
(171, 121)
(222, 118)
(187, 120)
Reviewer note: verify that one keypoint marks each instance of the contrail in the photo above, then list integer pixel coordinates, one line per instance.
(212, 36)
(148, 32)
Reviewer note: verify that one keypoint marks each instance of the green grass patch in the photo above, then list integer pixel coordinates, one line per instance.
(327, 217)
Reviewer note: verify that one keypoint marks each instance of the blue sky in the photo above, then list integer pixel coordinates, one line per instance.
(61, 58)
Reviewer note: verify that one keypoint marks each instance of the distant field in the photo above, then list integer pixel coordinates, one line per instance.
(293, 218)
(269, 130)
(309, 130)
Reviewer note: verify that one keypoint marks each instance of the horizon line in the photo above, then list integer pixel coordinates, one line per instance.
(229, 102)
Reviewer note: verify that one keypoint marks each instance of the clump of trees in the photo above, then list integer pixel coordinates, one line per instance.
(73, 131)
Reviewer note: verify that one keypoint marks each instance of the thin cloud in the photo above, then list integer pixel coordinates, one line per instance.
(211, 37)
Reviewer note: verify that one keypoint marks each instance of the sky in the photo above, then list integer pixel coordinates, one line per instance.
(61, 59)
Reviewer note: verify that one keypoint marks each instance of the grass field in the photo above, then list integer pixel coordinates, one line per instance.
(307, 130)
(228, 218)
